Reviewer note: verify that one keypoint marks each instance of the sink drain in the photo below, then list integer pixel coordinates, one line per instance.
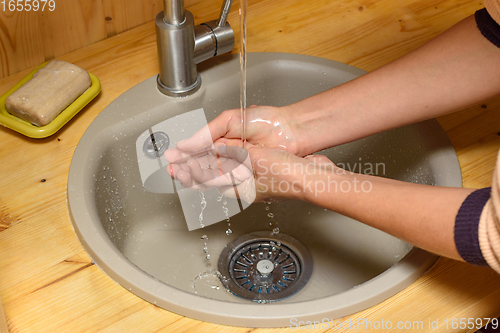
(265, 267)
(156, 144)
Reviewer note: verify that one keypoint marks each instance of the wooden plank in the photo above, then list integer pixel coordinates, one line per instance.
(72, 25)
(21, 43)
(3, 321)
(122, 15)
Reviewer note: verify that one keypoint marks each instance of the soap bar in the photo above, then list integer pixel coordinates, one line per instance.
(48, 92)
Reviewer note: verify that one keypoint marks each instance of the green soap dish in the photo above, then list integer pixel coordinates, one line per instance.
(38, 132)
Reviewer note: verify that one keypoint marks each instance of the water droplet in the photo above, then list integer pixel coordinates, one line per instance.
(203, 206)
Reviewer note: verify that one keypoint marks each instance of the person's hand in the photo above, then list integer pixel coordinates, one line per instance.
(258, 174)
(227, 168)
(266, 126)
(280, 175)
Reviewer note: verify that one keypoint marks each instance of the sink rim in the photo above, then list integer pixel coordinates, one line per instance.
(116, 265)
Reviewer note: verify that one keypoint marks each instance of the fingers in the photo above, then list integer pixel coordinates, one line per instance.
(184, 177)
(229, 172)
(221, 126)
(225, 166)
(236, 153)
(319, 159)
(174, 155)
(202, 175)
(245, 191)
(231, 142)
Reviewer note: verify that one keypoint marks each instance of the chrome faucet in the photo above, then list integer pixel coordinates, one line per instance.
(181, 46)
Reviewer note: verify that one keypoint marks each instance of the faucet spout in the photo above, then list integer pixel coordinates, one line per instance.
(181, 46)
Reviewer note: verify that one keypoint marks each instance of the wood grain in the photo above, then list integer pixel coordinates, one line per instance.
(122, 15)
(3, 321)
(28, 38)
(47, 281)
(20, 41)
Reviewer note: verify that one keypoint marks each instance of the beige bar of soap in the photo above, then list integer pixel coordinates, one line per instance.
(48, 92)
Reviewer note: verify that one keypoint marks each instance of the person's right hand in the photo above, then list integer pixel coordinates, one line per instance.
(258, 174)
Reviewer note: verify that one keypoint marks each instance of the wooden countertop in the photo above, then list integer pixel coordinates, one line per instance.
(49, 284)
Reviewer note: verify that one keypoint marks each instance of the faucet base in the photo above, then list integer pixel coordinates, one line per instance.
(178, 92)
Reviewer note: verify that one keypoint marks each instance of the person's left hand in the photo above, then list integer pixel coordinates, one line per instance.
(225, 167)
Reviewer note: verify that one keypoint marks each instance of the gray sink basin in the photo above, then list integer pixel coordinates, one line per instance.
(138, 235)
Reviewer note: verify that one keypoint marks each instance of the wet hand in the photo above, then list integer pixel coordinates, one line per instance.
(258, 174)
(280, 175)
(266, 126)
(225, 167)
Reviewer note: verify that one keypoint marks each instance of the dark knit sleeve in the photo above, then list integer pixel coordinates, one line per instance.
(467, 225)
(488, 26)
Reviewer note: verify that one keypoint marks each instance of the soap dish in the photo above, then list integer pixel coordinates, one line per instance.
(38, 132)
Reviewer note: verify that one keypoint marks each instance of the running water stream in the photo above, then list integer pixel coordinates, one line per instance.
(211, 277)
(243, 69)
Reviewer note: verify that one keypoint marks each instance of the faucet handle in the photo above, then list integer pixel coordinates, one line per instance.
(214, 37)
(226, 7)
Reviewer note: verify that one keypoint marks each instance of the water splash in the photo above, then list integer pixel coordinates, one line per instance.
(273, 223)
(228, 220)
(212, 279)
(204, 238)
(203, 206)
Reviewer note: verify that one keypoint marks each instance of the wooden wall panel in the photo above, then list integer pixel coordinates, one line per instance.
(125, 14)
(28, 38)
(20, 41)
(73, 25)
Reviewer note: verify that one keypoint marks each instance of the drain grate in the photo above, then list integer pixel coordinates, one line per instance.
(264, 268)
(156, 144)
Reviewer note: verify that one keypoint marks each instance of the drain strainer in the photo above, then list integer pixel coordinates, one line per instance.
(265, 267)
(156, 144)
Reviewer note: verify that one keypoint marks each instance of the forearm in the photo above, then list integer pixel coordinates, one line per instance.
(455, 70)
(419, 214)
